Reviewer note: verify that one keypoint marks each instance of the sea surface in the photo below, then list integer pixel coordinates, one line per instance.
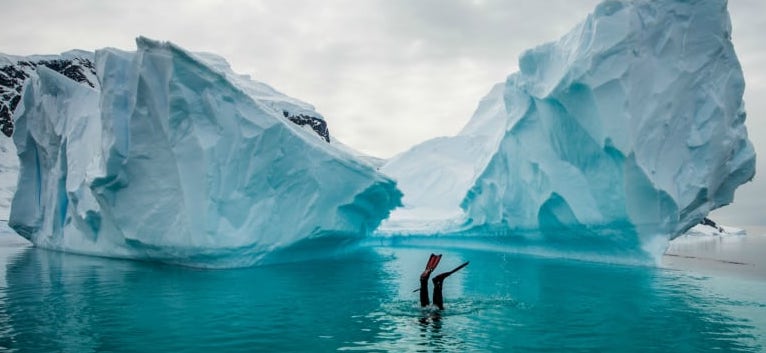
(363, 301)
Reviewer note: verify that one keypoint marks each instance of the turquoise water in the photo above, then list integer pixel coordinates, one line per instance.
(363, 301)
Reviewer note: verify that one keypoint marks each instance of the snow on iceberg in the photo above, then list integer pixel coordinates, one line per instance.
(626, 131)
(175, 158)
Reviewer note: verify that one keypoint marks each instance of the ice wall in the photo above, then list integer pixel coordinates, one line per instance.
(177, 159)
(628, 130)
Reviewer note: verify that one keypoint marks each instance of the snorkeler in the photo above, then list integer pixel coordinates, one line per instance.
(433, 261)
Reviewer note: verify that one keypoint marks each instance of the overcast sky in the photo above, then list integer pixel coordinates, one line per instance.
(386, 74)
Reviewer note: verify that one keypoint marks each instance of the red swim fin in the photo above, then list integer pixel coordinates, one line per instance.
(433, 261)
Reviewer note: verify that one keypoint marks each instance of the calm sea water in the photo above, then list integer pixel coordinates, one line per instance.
(363, 301)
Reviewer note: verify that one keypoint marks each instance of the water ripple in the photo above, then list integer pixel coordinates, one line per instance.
(52, 302)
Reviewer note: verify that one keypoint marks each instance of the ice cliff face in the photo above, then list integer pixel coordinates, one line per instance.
(626, 131)
(173, 157)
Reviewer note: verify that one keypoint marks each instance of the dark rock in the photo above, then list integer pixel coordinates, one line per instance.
(318, 125)
(12, 78)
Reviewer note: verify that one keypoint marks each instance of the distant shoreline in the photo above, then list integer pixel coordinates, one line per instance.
(754, 230)
(729, 255)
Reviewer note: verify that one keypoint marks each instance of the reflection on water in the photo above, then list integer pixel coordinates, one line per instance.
(363, 301)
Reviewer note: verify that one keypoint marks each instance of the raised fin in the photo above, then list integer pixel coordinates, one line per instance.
(440, 277)
(433, 261)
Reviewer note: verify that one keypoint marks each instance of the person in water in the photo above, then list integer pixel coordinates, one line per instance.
(433, 261)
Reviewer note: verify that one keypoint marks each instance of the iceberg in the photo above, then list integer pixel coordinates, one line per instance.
(173, 157)
(621, 135)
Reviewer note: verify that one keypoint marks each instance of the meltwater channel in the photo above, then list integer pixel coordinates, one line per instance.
(364, 301)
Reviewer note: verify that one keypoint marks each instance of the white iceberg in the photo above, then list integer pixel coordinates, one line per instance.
(629, 130)
(175, 158)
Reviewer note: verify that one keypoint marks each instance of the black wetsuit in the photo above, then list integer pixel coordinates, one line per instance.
(438, 282)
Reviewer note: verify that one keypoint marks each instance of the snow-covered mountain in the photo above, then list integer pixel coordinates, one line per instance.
(9, 175)
(626, 132)
(174, 157)
(14, 70)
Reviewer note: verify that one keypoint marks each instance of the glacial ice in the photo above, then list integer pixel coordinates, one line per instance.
(175, 158)
(626, 131)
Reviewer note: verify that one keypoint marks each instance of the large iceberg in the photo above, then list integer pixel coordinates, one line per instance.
(623, 134)
(173, 157)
